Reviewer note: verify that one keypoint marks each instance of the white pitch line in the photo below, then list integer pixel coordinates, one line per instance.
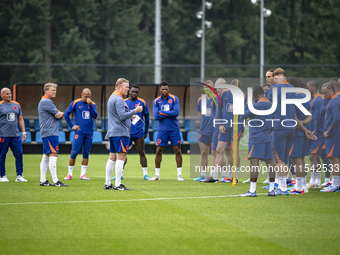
(122, 200)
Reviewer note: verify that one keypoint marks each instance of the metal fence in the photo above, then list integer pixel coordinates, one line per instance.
(12, 73)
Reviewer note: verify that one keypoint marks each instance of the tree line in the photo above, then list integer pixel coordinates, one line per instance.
(122, 32)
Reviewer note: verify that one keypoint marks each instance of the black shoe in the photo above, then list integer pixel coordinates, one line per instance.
(206, 180)
(59, 184)
(45, 183)
(108, 186)
(121, 187)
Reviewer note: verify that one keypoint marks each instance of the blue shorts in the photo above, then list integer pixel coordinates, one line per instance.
(206, 139)
(214, 141)
(79, 140)
(50, 144)
(227, 137)
(282, 143)
(333, 145)
(119, 144)
(136, 136)
(261, 151)
(315, 147)
(164, 136)
(299, 147)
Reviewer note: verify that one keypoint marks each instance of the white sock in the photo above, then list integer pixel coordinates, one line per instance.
(317, 178)
(214, 174)
(299, 183)
(157, 171)
(294, 177)
(119, 171)
(109, 169)
(271, 186)
(43, 168)
(277, 178)
(70, 170)
(224, 173)
(83, 170)
(312, 178)
(327, 179)
(287, 176)
(283, 183)
(53, 168)
(252, 187)
(179, 171)
(237, 169)
(230, 174)
(145, 171)
(336, 181)
(305, 182)
(204, 173)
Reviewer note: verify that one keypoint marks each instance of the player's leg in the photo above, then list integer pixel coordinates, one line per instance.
(158, 160)
(254, 172)
(178, 153)
(335, 165)
(4, 144)
(110, 164)
(76, 145)
(326, 168)
(87, 144)
(204, 148)
(121, 157)
(16, 148)
(271, 166)
(282, 142)
(176, 141)
(139, 142)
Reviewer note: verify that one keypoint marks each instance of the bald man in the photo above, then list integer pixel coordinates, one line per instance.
(10, 116)
(84, 111)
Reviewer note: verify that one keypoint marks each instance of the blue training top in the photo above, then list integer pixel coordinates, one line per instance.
(83, 114)
(9, 114)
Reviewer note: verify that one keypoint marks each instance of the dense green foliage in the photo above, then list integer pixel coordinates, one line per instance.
(122, 32)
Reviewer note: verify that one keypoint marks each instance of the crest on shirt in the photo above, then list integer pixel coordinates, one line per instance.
(11, 116)
(165, 107)
(86, 115)
(170, 101)
(15, 108)
(229, 107)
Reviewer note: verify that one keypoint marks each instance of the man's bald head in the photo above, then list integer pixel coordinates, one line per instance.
(6, 95)
(86, 90)
(5, 90)
(86, 95)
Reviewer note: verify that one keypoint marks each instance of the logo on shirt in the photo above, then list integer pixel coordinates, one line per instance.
(80, 106)
(165, 107)
(86, 115)
(170, 101)
(229, 107)
(208, 112)
(11, 116)
(15, 108)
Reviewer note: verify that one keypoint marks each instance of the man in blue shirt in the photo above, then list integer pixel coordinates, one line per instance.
(49, 129)
(165, 110)
(139, 130)
(260, 142)
(84, 111)
(10, 116)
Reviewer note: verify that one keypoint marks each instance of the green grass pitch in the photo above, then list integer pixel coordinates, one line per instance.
(161, 217)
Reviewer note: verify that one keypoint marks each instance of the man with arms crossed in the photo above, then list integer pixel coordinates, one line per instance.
(49, 128)
(165, 110)
(84, 111)
(119, 120)
(10, 116)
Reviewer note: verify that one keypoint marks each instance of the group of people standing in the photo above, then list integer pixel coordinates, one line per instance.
(291, 135)
(121, 133)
